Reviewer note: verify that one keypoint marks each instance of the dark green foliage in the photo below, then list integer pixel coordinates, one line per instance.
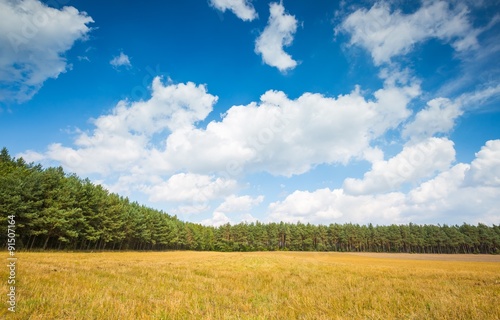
(54, 210)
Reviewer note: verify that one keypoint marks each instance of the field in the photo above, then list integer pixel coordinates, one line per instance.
(260, 285)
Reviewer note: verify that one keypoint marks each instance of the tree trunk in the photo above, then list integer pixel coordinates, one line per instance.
(46, 242)
(32, 243)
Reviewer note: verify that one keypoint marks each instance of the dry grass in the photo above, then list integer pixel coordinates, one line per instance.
(425, 256)
(273, 285)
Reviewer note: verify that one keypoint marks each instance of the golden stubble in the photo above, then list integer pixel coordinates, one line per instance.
(256, 285)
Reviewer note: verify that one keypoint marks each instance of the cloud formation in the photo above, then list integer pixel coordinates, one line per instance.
(234, 205)
(155, 147)
(411, 165)
(121, 60)
(278, 34)
(169, 150)
(33, 40)
(462, 193)
(218, 219)
(239, 204)
(327, 206)
(188, 187)
(288, 137)
(437, 117)
(386, 33)
(121, 140)
(485, 169)
(276, 135)
(243, 9)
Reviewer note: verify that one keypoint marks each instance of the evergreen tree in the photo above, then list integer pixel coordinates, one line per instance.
(54, 210)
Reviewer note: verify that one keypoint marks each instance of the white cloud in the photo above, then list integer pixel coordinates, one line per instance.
(463, 193)
(391, 103)
(278, 33)
(33, 39)
(191, 209)
(277, 135)
(386, 34)
(218, 219)
(300, 204)
(287, 137)
(121, 60)
(121, 140)
(243, 9)
(155, 148)
(248, 218)
(438, 117)
(126, 184)
(476, 98)
(234, 205)
(114, 153)
(373, 155)
(413, 163)
(188, 187)
(326, 206)
(440, 114)
(242, 204)
(33, 156)
(440, 187)
(485, 169)
(457, 194)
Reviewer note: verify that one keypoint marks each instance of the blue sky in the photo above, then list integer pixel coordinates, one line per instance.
(231, 110)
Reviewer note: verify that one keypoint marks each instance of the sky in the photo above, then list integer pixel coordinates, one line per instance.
(217, 111)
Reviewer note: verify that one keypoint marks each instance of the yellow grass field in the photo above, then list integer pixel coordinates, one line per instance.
(258, 285)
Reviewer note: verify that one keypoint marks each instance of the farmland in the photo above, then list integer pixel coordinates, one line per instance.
(256, 285)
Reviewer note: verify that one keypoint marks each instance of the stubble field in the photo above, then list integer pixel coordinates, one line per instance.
(259, 285)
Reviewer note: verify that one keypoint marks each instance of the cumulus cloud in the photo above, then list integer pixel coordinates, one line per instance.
(241, 204)
(277, 135)
(300, 204)
(412, 164)
(188, 187)
(440, 187)
(121, 60)
(440, 114)
(326, 206)
(243, 9)
(386, 34)
(231, 206)
(247, 218)
(33, 40)
(438, 117)
(120, 140)
(155, 147)
(287, 137)
(485, 169)
(190, 209)
(218, 219)
(278, 33)
(462, 193)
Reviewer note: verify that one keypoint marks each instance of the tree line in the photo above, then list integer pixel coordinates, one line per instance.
(58, 211)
